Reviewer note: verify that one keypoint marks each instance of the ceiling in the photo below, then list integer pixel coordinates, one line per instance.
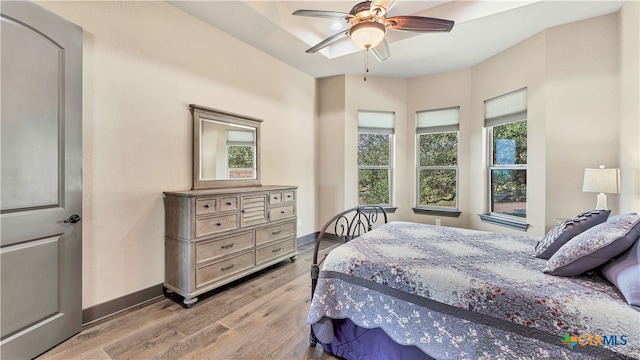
(482, 29)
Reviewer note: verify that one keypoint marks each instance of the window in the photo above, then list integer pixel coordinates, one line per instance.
(506, 124)
(241, 155)
(375, 157)
(437, 159)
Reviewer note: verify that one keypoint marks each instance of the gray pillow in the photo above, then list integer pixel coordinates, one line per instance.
(567, 229)
(624, 273)
(595, 246)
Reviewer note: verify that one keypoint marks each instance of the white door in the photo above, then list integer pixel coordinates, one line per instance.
(41, 194)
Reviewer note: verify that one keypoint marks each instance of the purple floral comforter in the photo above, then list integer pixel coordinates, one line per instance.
(466, 294)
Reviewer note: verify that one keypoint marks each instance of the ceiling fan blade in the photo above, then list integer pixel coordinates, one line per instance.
(323, 14)
(381, 7)
(418, 23)
(381, 51)
(328, 41)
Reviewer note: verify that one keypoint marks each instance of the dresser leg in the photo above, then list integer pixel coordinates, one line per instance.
(189, 301)
(293, 258)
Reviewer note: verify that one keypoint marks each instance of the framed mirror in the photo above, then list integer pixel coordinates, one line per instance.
(226, 149)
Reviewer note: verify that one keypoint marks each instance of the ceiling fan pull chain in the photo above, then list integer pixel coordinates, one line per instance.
(366, 62)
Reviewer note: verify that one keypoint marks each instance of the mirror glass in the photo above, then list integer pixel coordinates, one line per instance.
(226, 149)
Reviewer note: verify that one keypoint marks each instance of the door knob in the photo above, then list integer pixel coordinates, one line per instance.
(73, 219)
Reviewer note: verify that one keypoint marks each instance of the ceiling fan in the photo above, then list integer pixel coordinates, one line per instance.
(369, 25)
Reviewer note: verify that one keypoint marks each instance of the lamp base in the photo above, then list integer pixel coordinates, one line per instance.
(602, 202)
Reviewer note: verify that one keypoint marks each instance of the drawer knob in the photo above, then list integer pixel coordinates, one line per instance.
(227, 246)
(276, 232)
(288, 196)
(218, 224)
(207, 206)
(275, 197)
(227, 267)
(228, 203)
(276, 250)
(281, 211)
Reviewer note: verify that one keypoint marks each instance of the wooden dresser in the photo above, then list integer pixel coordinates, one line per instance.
(216, 236)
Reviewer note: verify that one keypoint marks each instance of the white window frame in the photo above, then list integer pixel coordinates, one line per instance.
(378, 122)
(501, 110)
(443, 120)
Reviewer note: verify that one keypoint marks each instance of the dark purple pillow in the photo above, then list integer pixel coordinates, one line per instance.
(595, 246)
(624, 273)
(566, 230)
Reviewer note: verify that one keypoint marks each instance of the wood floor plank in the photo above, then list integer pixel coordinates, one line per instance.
(191, 344)
(268, 306)
(119, 327)
(145, 344)
(260, 317)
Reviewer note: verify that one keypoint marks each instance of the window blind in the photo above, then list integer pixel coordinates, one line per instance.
(507, 108)
(240, 138)
(377, 122)
(437, 121)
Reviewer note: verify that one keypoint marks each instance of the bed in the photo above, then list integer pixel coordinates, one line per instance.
(414, 291)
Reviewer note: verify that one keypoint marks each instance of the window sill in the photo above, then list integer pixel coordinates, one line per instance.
(445, 213)
(387, 209)
(502, 221)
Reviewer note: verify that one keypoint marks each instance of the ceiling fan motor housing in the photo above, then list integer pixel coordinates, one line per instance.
(361, 12)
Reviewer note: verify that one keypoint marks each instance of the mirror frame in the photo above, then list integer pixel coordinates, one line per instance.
(201, 112)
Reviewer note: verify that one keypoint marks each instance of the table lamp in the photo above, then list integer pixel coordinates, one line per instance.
(602, 181)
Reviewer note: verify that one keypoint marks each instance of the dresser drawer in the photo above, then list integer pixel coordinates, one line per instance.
(288, 196)
(228, 203)
(210, 250)
(218, 270)
(215, 224)
(205, 206)
(275, 198)
(274, 250)
(281, 212)
(275, 232)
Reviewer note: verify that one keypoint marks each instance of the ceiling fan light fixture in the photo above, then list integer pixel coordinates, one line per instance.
(367, 34)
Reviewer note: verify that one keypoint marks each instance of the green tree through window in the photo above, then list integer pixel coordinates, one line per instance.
(509, 169)
(240, 161)
(437, 133)
(437, 169)
(373, 169)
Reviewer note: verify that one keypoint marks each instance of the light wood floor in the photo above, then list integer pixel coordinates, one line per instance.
(260, 317)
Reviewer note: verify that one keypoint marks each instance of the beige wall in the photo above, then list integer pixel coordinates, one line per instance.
(630, 107)
(144, 62)
(340, 98)
(375, 94)
(435, 92)
(519, 66)
(330, 148)
(573, 80)
(582, 109)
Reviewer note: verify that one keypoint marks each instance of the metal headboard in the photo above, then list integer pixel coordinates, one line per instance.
(346, 226)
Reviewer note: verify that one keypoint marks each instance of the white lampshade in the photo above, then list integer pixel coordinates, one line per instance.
(602, 181)
(367, 34)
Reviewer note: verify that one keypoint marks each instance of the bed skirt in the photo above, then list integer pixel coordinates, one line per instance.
(355, 343)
